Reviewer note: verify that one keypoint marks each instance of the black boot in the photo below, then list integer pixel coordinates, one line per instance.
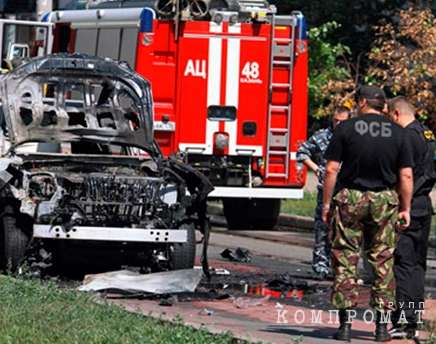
(344, 331)
(381, 328)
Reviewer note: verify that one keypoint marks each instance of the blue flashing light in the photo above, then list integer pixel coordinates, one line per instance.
(45, 17)
(146, 20)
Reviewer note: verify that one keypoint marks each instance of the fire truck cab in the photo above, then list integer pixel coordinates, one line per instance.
(229, 88)
(21, 39)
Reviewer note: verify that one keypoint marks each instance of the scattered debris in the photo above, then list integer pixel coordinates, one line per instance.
(246, 302)
(241, 255)
(169, 282)
(286, 282)
(296, 294)
(215, 271)
(168, 302)
(207, 312)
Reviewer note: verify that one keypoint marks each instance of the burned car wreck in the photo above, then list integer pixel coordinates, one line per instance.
(81, 172)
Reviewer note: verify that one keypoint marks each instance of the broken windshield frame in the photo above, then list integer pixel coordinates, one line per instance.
(73, 106)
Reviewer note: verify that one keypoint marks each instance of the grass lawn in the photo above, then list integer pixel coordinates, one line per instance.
(38, 312)
(303, 207)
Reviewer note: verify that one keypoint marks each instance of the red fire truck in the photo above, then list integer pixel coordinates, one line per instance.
(230, 93)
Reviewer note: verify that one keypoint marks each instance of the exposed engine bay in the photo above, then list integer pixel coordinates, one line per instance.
(80, 164)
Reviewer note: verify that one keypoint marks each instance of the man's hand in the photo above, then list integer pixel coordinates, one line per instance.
(326, 213)
(403, 220)
(311, 165)
(332, 169)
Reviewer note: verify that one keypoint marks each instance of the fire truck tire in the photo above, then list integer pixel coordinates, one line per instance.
(242, 213)
(13, 239)
(182, 256)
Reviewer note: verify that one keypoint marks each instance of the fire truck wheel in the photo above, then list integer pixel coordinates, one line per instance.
(13, 239)
(182, 256)
(242, 213)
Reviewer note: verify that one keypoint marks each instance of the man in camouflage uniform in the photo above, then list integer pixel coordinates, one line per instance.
(310, 151)
(375, 160)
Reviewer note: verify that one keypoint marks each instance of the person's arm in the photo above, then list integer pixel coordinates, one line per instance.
(311, 165)
(405, 176)
(306, 152)
(334, 157)
(405, 191)
(331, 175)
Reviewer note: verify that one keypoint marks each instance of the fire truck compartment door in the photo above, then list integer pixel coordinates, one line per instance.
(222, 66)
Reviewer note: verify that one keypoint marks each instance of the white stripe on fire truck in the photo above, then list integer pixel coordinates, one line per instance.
(245, 38)
(232, 84)
(213, 82)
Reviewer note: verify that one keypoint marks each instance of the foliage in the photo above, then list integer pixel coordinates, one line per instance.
(329, 81)
(34, 312)
(403, 58)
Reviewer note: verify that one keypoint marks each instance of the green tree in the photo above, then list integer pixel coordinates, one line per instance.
(330, 81)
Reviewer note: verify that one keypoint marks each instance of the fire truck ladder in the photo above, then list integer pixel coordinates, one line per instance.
(282, 57)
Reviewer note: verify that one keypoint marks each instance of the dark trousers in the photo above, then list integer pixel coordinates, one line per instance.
(409, 269)
(321, 248)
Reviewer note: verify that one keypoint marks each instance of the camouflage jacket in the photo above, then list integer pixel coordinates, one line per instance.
(314, 148)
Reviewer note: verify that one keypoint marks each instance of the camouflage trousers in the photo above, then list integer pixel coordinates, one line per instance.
(321, 249)
(371, 215)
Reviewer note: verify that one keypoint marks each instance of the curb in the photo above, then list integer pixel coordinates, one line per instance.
(295, 223)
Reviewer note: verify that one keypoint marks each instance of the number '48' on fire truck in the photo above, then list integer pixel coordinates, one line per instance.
(230, 94)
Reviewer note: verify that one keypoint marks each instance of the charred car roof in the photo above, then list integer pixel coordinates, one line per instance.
(71, 98)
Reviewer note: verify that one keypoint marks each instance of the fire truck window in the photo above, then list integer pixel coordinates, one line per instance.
(86, 41)
(21, 41)
(221, 113)
(128, 46)
(109, 43)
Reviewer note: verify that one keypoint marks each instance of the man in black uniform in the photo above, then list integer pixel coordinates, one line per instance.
(376, 161)
(411, 253)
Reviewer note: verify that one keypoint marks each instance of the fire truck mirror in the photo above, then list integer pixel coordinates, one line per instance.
(249, 128)
(221, 113)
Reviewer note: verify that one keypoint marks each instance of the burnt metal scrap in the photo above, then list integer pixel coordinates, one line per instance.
(75, 99)
(79, 164)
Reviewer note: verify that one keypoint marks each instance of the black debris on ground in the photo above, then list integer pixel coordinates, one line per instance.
(240, 255)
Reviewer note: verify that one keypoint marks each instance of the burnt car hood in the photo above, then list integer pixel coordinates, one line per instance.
(72, 98)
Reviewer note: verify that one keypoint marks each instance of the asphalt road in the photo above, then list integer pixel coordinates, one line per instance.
(247, 312)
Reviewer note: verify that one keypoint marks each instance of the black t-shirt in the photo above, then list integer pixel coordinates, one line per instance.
(421, 205)
(372, 149)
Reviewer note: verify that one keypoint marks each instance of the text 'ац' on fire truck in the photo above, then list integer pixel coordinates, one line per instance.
(229, 85)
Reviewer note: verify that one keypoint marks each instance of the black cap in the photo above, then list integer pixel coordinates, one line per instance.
(370, 93)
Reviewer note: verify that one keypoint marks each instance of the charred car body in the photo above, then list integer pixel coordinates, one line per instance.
(80, 170)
